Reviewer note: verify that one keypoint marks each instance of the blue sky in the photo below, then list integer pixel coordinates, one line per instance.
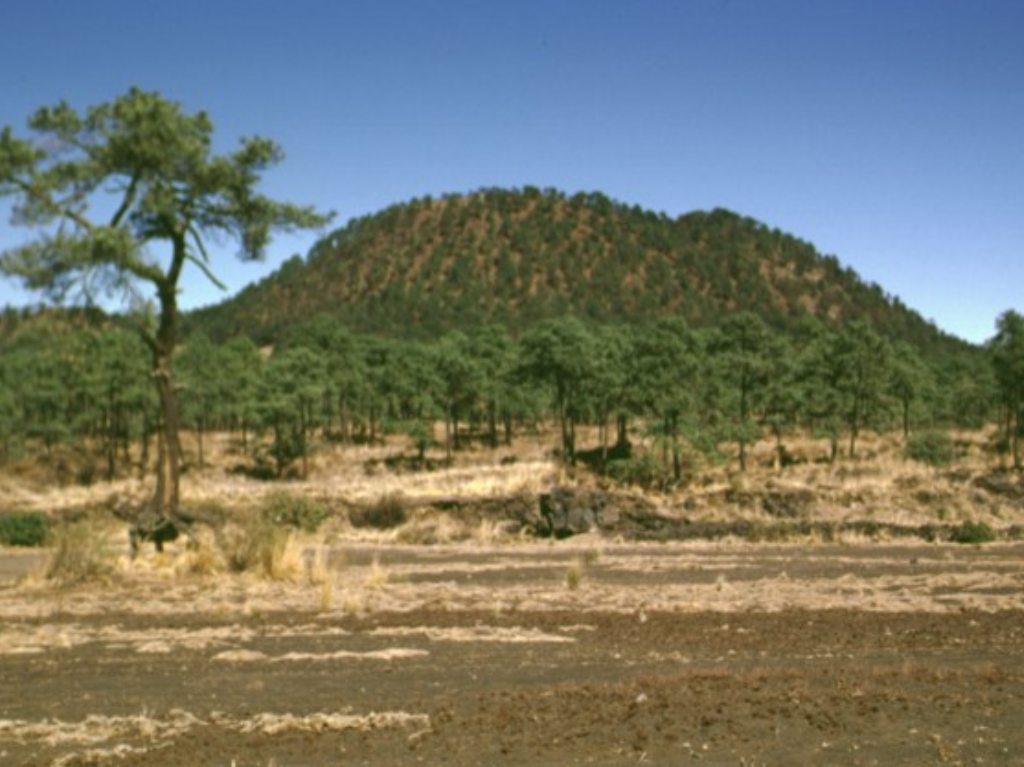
(888, 133)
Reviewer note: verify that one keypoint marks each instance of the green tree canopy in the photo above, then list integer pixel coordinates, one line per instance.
(152, 166)
(560, 355)
(743, 360)
(1008, 359)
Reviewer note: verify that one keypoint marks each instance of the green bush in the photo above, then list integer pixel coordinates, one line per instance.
(932, 447)
(294, 511)
(973, 532)
(23, 529)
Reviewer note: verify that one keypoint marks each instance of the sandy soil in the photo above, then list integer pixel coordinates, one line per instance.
(582, 652)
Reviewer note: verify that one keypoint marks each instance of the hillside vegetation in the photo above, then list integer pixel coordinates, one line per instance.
(519, 256)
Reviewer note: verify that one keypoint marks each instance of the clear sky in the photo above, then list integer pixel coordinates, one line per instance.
(887, 132)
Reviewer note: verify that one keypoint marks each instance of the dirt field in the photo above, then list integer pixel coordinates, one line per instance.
(581, 652)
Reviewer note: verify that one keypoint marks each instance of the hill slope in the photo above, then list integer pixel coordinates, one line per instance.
(514, 256)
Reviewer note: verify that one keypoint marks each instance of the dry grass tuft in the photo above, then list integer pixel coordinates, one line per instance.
(326, 595)
(579, 568)
(432, 528)
(259, 546)
(79, 554)
(573, 576)
(318, 564)
(377, 577)
(201, 560)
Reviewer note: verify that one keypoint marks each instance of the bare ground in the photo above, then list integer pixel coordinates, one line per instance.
(584, 652)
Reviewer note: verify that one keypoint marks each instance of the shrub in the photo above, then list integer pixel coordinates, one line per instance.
(294, 511)
(973, 532)
(23, 529)
(387, 512)
(79, 554)
(934, 448)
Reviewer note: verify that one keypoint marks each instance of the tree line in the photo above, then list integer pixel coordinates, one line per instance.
(717, 389)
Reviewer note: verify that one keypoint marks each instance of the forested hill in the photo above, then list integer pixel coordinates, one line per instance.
(517, 256)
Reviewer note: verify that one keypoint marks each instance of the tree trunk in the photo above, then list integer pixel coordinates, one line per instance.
(110, 446)
(677, 466)
(343, 425)
(1016, 442)
(564, 426)
(199, 435)
(278, 449)
(492, 424)
(144, 447)
(168, 467)
(448, 436)
(126, 446)
(166, 499)
(508, 430)
(743, 426)
(303, 426)
(780, 449)
(623, 432)
(854, 427)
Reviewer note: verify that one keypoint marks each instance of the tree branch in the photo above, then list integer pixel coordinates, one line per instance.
(199, 243)
(206, 270)
(144, 271)
(126, 203)
(49, 204)
(177, 260)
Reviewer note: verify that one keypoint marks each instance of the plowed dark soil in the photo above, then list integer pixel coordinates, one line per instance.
(792, 687)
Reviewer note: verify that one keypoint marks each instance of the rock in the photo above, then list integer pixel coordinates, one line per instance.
(567, 511)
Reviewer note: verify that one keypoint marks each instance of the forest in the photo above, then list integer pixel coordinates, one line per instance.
(518, 256)
(707, 393)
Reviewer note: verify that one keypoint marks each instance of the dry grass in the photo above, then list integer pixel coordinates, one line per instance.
(879, 485)
(377, 577)
(386, 654)
(277, 565)
(104, 736)
(79, 554)
(579, 569)
(478, 633)
(255, 544)
(574, 575)
(915, 577)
